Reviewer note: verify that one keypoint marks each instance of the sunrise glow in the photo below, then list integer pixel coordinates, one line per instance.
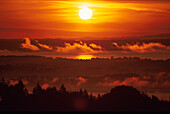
(85, 55)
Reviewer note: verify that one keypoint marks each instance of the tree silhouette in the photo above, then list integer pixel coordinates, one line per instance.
(98, 96)
(3, 88)
(51, 91)
(81, 92)
(120, 98)
(20, 88)
(37, 90)
(2, 81)
(62, 89)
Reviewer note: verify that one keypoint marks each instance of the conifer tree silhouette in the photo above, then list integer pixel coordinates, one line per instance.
(37, 90)
(62, 89)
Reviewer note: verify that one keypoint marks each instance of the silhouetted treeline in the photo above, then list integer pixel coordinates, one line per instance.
(119, 64)
(120, 98)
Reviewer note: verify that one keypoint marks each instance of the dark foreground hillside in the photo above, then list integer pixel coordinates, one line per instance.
(121, 98)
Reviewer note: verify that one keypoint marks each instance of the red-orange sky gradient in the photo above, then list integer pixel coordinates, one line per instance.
(125, 42)
(60, 18)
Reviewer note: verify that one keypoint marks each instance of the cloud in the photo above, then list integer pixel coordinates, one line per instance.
(4, 51)
(95, 46)
(150, 47)
(159, 82)
(132, 81)
(13, 82)
(75, 48)
(44, 46)
(54, 80)
(28, 45)
(45, 86)
(162, 80)
(81, 80)
(25, 82)
(78, 48)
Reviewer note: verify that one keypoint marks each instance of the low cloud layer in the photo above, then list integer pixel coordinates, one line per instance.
(78, 48)
(4, 51)
(150, 47)
(75, 48)
(92, 48)
(159, 49)
(128, 81)
(98, 48)
(158, 82)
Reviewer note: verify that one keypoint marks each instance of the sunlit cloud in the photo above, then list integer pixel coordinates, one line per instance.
(45, 86)
(161, 80)
(81, 80)
(77, 48)
(150, 47)
(95, 46)
(133, 81)
(28, 45)
(44, 46)
(4, 51)
(54, 80)
(13, 82)
(25, 82)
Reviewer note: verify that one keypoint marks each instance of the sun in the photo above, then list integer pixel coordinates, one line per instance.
(84, 57)
(85, 13)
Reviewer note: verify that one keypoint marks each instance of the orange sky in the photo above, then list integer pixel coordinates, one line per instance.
(60, 18)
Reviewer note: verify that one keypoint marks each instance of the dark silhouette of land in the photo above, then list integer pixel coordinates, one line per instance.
(121, 98)
(99, 74)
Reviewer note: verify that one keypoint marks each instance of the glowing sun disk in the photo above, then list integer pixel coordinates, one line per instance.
(85, 13)
(84, 57)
